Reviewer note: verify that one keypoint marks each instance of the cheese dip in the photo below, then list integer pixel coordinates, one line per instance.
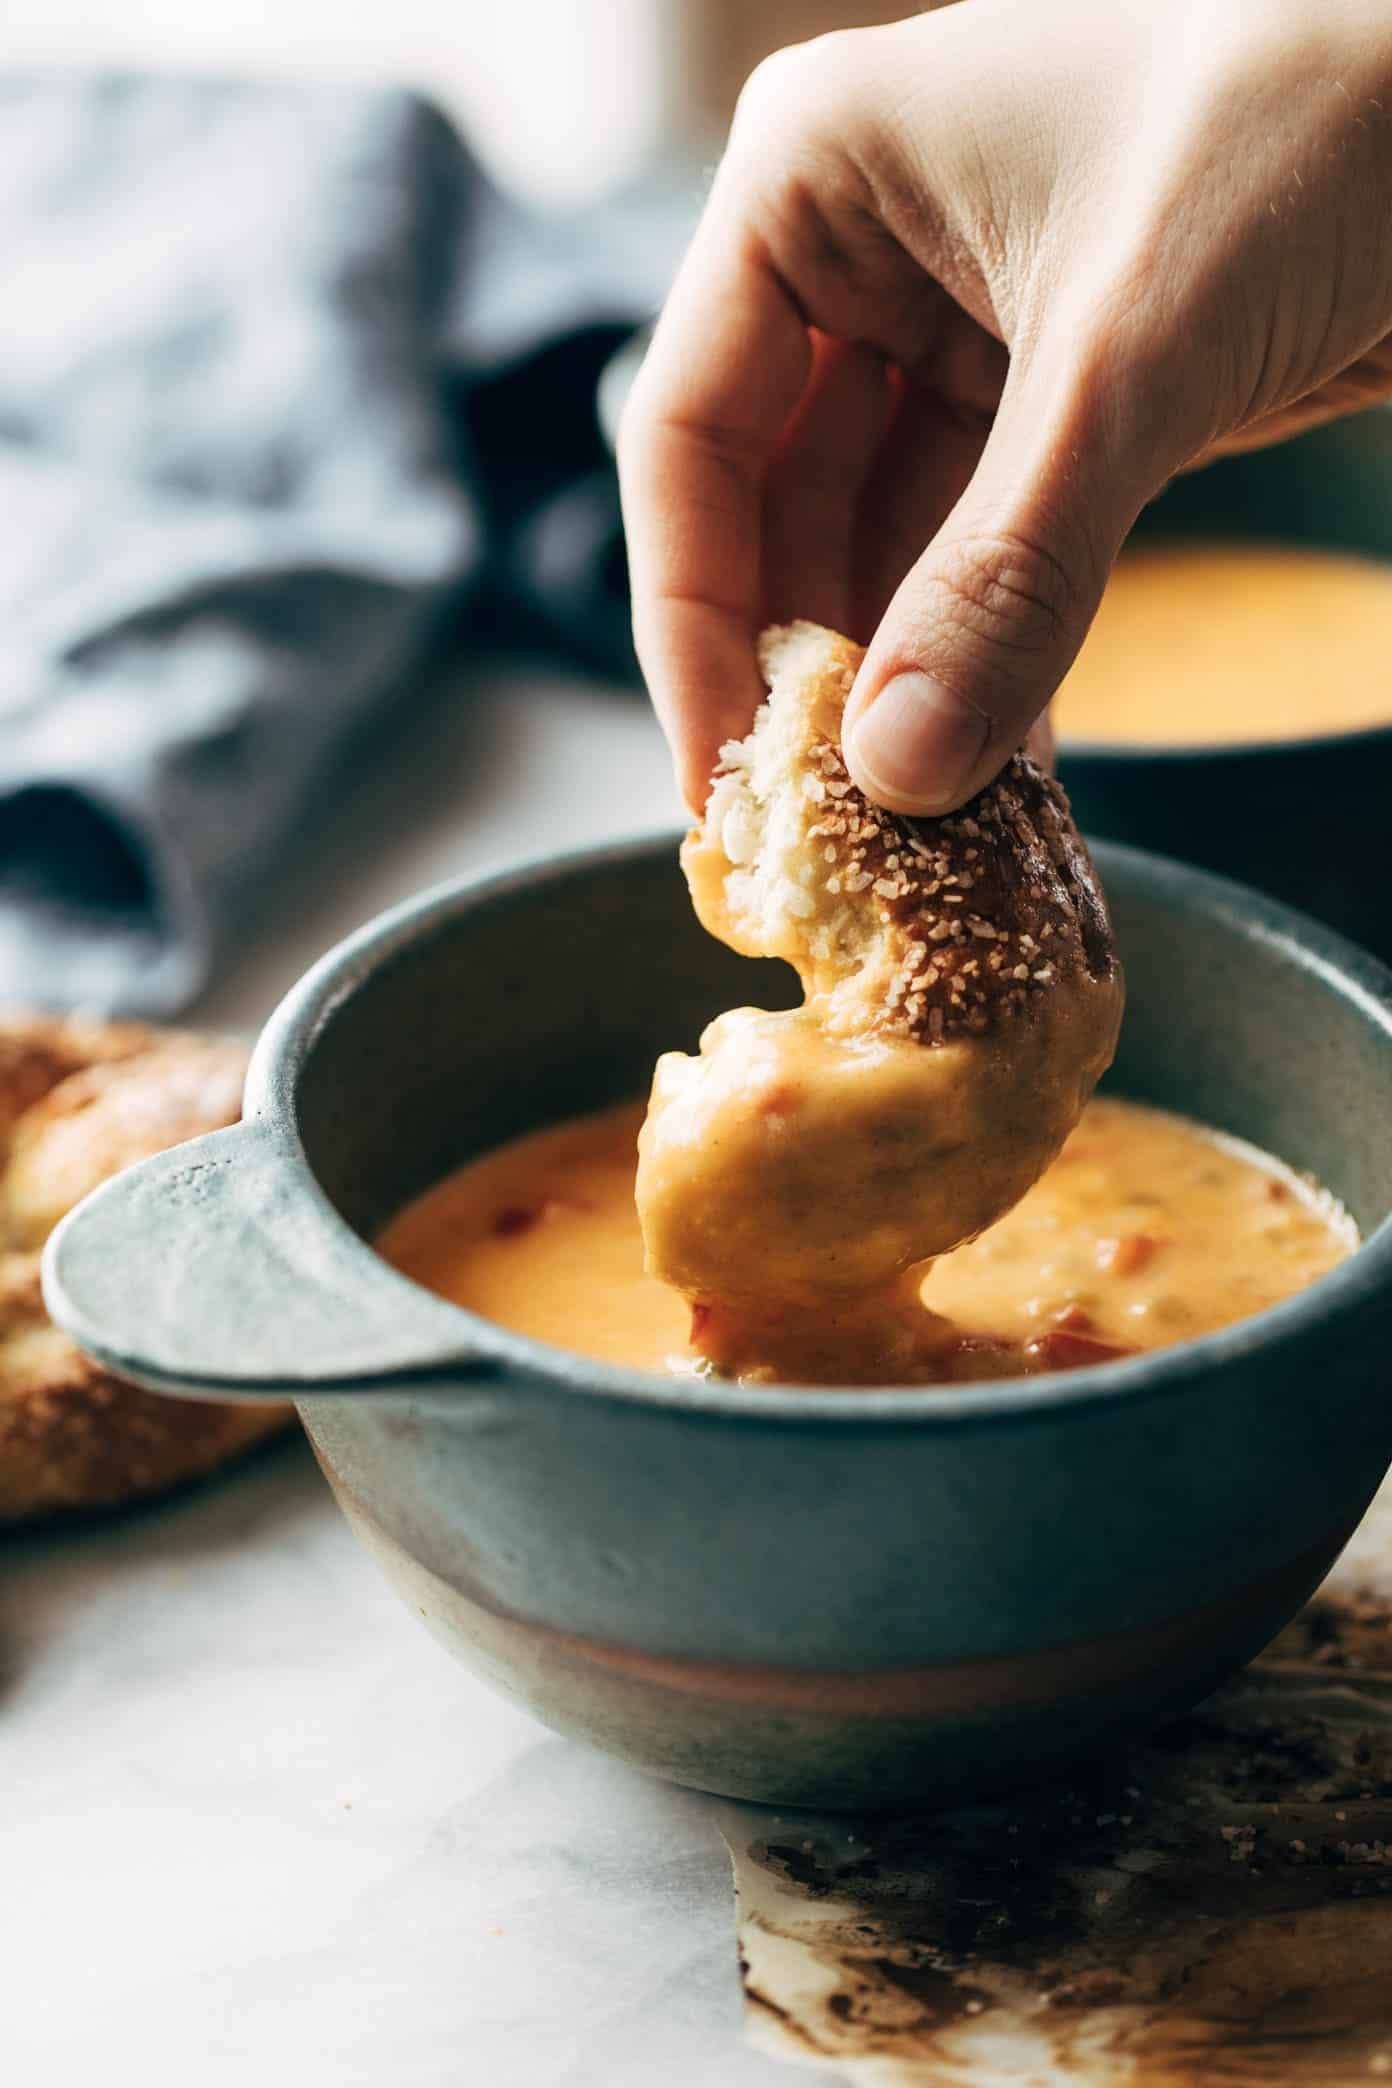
(1146, 1230)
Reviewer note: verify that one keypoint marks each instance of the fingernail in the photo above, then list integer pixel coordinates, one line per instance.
(914, 747)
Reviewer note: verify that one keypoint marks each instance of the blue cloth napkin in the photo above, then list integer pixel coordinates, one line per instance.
(284, 382)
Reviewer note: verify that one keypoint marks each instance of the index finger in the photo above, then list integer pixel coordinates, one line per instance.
(726, 368)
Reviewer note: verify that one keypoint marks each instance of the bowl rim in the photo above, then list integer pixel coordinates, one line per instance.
(288, 1039)
(1172, 754)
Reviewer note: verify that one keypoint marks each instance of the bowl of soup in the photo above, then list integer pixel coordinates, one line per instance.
(1162, 1411)
(1233, 703)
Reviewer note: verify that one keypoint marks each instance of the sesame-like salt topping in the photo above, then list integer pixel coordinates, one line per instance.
(1015, 850)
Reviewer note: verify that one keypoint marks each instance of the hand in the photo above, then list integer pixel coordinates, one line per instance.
(967, 292)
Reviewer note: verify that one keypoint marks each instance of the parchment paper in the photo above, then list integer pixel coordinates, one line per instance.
(1216, 1908)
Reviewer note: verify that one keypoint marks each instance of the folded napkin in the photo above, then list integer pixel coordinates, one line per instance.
(283, 379)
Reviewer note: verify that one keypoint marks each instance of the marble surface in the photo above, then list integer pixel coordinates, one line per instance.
(256, 1827)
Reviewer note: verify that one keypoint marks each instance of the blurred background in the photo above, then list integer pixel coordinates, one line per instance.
(311, 574)
(567, 100)
(312, 578)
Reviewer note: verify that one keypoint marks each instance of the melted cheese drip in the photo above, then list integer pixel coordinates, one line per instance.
(1146, 1230)
(784, 1162)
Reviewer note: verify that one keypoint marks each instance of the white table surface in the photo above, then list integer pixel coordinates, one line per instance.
(255, 1826)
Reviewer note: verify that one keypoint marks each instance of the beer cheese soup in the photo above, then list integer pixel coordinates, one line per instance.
(1146, 1230)
(1201, 644)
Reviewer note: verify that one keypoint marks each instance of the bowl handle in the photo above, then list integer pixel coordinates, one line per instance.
(210, 1272)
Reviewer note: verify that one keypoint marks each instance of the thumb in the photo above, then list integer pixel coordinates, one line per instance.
(986, 624)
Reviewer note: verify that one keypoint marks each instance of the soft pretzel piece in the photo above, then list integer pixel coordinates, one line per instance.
(79, 1101)
(916, 928)
(963, 996)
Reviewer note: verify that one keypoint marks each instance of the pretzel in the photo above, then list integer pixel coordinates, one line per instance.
(962, 995)
(78, 1101)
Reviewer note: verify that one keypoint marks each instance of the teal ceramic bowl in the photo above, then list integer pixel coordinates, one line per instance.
(816, 1597)
(1306, 820)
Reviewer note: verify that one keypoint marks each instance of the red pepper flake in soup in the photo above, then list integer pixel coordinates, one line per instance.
(1060, 1350)
(1126, 1256)
(1073, 1320)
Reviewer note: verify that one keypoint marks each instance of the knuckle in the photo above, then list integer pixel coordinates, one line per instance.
(1014, 595)
(776, 92)
(798, 88)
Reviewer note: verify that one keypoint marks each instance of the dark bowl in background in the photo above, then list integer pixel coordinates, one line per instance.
(1309, 820)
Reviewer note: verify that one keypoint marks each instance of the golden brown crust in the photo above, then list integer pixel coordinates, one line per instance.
(984, 911)
(107, 1116)
(921, 928)
(79, 1101)
(37, 1051)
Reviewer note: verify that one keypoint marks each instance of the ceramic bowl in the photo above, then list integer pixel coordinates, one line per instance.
(1307, 820)
(820, 1597)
